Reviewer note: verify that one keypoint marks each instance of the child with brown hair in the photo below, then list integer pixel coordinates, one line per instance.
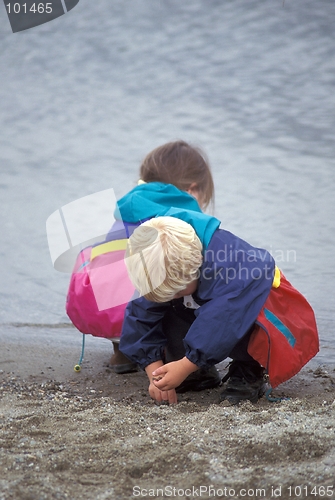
(182, 165)
(174, 176)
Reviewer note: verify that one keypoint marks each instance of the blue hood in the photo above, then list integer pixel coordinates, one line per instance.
(156, 199)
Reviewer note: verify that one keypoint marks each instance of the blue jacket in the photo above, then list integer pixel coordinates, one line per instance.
(235, 281)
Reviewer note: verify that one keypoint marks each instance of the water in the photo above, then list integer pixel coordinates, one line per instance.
(86, 96)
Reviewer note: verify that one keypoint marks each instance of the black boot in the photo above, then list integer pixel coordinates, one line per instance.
(245, 381)
(200, 380)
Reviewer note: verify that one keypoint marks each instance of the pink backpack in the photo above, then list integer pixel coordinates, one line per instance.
(99, 290)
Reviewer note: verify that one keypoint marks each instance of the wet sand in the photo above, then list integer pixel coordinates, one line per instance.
(97, 435)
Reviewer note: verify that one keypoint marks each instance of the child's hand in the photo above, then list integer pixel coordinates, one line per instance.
(162, 396)
(156, 394)
(172, 374)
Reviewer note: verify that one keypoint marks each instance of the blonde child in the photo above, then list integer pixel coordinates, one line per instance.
(246, 309)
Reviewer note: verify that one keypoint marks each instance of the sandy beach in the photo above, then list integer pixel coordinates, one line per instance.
(97, 435)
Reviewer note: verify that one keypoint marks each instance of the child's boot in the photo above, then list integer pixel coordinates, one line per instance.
(245, 381)
(119, 363)
(200, 380)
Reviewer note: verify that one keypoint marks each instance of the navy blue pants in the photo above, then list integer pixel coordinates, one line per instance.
(176, 324)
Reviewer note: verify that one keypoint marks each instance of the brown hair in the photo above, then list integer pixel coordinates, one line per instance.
(182, 165)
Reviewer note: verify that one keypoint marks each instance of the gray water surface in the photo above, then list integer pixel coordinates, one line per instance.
(85, 97)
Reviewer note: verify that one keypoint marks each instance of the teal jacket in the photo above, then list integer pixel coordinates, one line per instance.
(156, 199)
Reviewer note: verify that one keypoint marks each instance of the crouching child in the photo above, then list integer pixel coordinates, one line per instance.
(206, 295)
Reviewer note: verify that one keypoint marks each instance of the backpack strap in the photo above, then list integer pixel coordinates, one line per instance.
(109, 246)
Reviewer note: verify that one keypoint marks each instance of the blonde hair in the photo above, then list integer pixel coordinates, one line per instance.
(182, 165)
(163, 256)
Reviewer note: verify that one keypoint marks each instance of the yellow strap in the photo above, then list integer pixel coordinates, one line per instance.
(109, 246)
(276, 279)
